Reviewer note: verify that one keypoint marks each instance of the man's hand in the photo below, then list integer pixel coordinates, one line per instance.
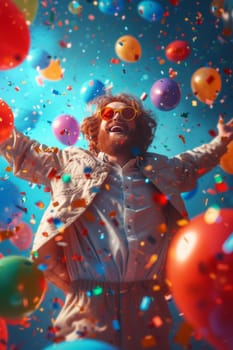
(225, 130)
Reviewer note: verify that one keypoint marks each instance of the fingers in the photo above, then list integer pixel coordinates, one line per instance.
(231, 122)
(221, 119)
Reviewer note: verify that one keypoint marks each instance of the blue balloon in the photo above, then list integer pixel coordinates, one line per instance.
(82, 344)
(91, 89)
(25, 121)
(110, 7)
(39, 58)
(10, 204)
(190, 194)
(150, 10)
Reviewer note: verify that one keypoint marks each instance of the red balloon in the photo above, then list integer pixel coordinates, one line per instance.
(22, 322)
(6, 120)
(178, 50)
(14, 35)
(174, 2)
(200, 270)
(3, 335)
(22, 236)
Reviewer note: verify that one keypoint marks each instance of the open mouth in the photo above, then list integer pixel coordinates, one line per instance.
(117, 129)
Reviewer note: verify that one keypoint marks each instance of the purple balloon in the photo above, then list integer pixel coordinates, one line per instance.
(66, 129)
(165, 94)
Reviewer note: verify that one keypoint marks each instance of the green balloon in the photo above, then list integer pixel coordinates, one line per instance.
(22, 287)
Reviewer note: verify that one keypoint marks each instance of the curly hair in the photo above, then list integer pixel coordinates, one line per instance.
(145, 125)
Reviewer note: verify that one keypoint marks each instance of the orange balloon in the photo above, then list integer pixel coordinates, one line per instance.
(53, 72)
(128, 48)
(206, 84)
(200, 270)
(226, 161)
(6, 121)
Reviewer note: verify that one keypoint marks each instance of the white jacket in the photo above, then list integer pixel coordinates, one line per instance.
(40, 164)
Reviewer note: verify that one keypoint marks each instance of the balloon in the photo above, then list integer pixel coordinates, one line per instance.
(22, 287)
(39, 59)
(25, 120)
(14, 36)
(53, 72)
(200, 270)
(178, 50)
(22, 236)
(110, 7)
(165, 94)
(226, 161)
(3, 335)
(22, 322)
(6, 121)
(190, 194)
(91, 89)
(128, 49)
(174, 2)
(5, 234)
(81, 344)
(75, 8)
(66, 129)
(227, 18)
(10, 205)
(216, 7)
(223, 9)
(151, 11)
(206, 84)
(28, 7)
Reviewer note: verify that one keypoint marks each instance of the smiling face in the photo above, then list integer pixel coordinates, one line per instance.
(117, 135)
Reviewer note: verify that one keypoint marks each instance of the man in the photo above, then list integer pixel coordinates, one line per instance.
(114, 208)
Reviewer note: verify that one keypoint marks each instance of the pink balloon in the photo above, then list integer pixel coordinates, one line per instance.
(66, 129)
(22, 236)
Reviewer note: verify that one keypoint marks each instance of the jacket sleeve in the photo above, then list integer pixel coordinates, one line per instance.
(191, 165)
(31, 160)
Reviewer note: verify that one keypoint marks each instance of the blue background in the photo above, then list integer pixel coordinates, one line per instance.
(88, 56)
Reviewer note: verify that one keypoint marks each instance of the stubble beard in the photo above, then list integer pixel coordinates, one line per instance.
(116, 145)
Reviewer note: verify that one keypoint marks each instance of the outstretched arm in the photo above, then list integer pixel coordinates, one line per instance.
(192, 164)
(29, 159)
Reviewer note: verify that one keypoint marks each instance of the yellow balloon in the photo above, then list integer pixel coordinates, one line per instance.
(128, 49)
(226, 161)
(28, 8)
(75, 8)
(54, 71)
(206, 84)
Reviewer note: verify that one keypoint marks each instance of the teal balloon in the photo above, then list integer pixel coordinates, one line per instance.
(22, 287)
(26, 120)
(151, 11)
(82, 344)
(110, 7)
